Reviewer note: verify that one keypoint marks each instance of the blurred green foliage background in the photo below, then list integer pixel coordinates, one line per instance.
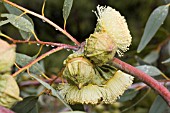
(81, 24)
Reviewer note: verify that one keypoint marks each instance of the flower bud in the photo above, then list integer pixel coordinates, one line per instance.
(100, 48)
(9, 91)
(79, 71)
(7, 56)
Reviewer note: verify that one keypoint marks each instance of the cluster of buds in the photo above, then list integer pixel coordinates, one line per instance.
(9, 90)
(91, 79)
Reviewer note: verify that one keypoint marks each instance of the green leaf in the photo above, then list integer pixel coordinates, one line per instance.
(16, 11)
(152, 57)
(4, 22)
(73, 112)
(155, 20)
(159, 106)
(166, 61)
(128, 95)
(53, 91)
(25, 35)
(140, 61)
(150, 70)
(66, 8)
(22, 60)
(28, 105)
(19, 22)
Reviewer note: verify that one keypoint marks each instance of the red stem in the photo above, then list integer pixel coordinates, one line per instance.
(163, 91)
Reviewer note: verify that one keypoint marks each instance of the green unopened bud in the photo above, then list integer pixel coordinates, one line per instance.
(100, 48)
(79, 71)
(7, 56)
(9, 91)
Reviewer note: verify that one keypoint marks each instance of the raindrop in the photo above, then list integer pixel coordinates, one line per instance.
(52, 46)
(38, 44)
(56, 29)
(47, 45)
(43, 20)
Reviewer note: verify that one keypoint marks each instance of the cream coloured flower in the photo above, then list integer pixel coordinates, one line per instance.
(116, 86)
(90, 94)
(107, 93)
(111, 21)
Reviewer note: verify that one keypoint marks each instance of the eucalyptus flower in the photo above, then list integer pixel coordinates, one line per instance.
(116, 86)
(111, 22)
(107, 93)
(90, 94)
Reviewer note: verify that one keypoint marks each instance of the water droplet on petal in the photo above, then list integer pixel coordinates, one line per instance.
(47, 45)
(56, 29)
(52, 46)
(38, 44)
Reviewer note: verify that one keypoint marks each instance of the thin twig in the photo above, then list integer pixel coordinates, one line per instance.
(67, 46)
(163, 91)
(44, 19)
(35, 82)
(38, 59)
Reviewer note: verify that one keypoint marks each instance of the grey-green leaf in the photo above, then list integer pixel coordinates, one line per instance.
(28, 105)
(159, 106)
(67, 8)
(155, 20)
(128, 95)
(53, 91)
(25, 35)
(166, 61)
(22, 60)
(13, 10)
(16, 11)
(152, 57)
(167, 1)
(150, 70)
(4, 22)
(19, 22)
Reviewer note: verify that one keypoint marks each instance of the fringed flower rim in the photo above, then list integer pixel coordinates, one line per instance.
(94, 94)
(111, 21)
